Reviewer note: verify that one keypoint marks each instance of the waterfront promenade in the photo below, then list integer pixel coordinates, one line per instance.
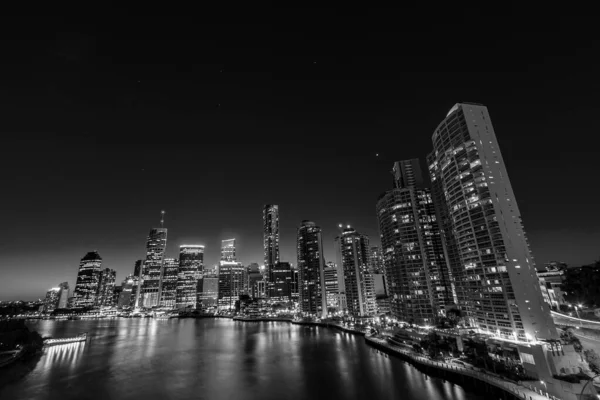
(518, 391)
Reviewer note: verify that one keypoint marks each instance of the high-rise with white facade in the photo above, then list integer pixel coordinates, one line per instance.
(492, 270)
(153, 267)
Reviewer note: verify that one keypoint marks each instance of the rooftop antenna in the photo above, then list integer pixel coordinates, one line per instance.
(162, 219)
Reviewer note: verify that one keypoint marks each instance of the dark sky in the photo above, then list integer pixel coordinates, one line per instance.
(104, 125)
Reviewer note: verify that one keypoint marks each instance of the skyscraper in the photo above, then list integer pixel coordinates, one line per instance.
(491, 265)
(415, 266)
(52, 299)
(353, 257)
(253, 276)
(106, 287)
(86, 287)
(169, 283)
(124, 299)
(332, 287)
(191, 267)
(208, 291)
(271, 238)
(376, 265)
(311, 267)
(281, 282)
(228, 250)
(63, 300)
(136, 285)
(231, 283)
(152, 268)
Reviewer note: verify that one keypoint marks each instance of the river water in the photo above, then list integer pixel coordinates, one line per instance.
(218, 359)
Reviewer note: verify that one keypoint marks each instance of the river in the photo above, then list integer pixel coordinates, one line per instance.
(218, 359)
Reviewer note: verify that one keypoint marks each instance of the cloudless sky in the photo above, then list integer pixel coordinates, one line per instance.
(105, 125)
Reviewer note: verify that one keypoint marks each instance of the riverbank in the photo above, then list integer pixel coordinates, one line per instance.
(456, 373)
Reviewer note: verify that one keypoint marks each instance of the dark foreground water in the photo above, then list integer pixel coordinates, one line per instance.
(218, 359)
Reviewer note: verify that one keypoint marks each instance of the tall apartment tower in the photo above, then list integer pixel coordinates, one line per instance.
(491, 265)
(86, 287)
(153, 267)
(271, 239)
(352, 250)
(106, 287)
(415, 265)
(332, 286)
(311, 269)
(170, 276)
(191, 268)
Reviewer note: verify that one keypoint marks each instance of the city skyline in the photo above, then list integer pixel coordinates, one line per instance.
(83, 96)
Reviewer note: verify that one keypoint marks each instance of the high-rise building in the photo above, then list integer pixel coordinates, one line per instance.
(51, 300)
(271, 239)
(295, 284)
(254, 276)
(381, 294)
(136, 286)
(352, 250)
(153, 267)
(170, 277)
(332, 287)
(228, 250)
(491, 266)
(118, 290)
(191, 268)
(415, 265)
(376, 264)
(311, 267)
(124, 299)
(208, 291)
(280, 279)
(86, 287)
(106, 287)
(231, 284)
(63, 300)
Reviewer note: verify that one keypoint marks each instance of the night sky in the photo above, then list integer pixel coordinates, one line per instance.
(103, 126)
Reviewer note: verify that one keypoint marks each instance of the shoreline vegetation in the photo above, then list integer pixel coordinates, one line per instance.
(20, 350)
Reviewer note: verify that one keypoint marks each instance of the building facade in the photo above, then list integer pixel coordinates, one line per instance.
(106, 287)
(332, 287)
(51, 300)
(414, 258)
(63, 300)
(191, 268)
(352, 250)
(491, 267)
(152, 267)
(254, 276)
(231, 284)
(376, 264)
(208, 292)
(270, 239)
(280, 279)
(170, 275)
(88, 276)
(228, 250)
(311, 269)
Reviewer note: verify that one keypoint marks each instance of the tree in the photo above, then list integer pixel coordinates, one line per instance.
(593, 360)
